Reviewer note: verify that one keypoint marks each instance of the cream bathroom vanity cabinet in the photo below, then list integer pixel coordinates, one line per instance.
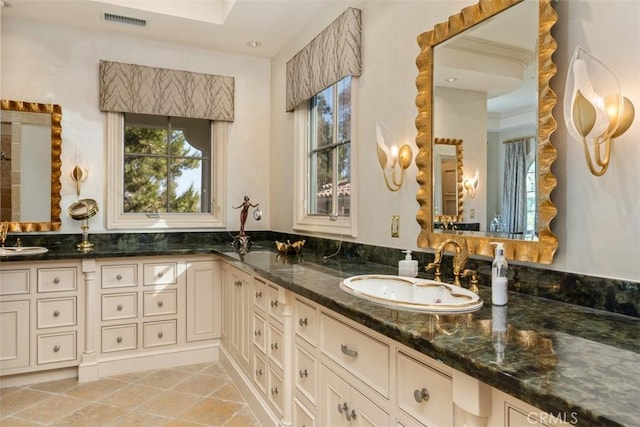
(41, 308)
(107, 316)
(303, 365)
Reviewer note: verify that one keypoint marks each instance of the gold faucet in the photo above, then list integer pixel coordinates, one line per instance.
(459, 260)
(4, 227)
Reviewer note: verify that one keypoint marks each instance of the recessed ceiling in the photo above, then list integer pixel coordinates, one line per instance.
(223, 25)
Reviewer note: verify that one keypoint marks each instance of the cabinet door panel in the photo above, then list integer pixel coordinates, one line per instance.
(14, 330)
(204, 296)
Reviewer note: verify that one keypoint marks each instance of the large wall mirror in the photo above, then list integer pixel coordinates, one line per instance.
(30, 164)
(484, 79)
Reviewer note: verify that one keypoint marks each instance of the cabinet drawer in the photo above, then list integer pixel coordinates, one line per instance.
(260, 294)
(14, 282)
(159, 333)
(56, 279)
(55, 312)
(275, 342)
(119, 306)
(160, 274)
(306, 323)
(275, 306)
(306, 378)
(119, 276)
(56, 347)
(424, 393)
(275, 392)
(119, 338)
(156, 303)
(364, 356)
(301, 415)
(260, 372)
(260, 333)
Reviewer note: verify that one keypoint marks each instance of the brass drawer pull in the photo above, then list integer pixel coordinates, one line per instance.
(347, 351)
(119, 340)
(160, 303)
(274, 303)
(421, 395)
(259, 294)
(303, 322)
(274, 346)
(259, 372)
(304, 373)
(257, 332)
(160, 334)
(56, 313)
(274, 390)
(237, 282)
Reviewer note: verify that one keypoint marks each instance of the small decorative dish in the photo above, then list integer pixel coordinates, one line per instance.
(290, 248)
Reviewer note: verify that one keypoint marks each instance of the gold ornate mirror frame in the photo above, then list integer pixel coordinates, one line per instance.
(542, 250)
(56, 148)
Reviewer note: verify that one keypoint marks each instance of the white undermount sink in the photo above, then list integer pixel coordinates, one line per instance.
(413, 294)
(22, 250)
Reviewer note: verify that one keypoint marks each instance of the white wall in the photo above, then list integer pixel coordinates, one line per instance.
(598, 221)
(52, 64)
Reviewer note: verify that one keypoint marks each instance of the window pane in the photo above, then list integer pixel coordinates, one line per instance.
(145, 134)
(145, 184)
(344, 180)
(167, 164)
(344, 109)
(322, 119)
(321, 180)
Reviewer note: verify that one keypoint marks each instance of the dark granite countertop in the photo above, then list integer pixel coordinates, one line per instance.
(574, 362)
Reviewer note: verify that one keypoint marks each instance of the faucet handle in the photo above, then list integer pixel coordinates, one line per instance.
(435, 266)
(473, 281)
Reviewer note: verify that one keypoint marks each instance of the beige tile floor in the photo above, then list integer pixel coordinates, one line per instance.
(194, 395)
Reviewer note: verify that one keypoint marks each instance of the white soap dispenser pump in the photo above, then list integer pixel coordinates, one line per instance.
(408, 266)
(499, 280)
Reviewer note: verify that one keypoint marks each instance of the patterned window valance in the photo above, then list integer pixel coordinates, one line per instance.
(332, 55)
(138, 89)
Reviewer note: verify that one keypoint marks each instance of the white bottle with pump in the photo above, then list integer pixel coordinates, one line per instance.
(408, 267)
(499, 280)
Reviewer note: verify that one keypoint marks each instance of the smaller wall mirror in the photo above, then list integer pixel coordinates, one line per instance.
(30, 165)
(448, 199)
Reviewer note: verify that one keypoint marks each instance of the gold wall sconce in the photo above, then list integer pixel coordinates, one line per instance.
(80, 171)
(471, 184)
(595, 111)
(394, 161)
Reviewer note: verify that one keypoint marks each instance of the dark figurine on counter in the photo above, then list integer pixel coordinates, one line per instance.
(242, 239)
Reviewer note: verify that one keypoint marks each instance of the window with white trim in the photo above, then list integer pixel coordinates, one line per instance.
(324, 156)
(167, 172)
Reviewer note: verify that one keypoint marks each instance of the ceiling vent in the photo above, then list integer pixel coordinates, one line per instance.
(124, 19)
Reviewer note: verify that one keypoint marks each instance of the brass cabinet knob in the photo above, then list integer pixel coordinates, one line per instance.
(119, 277)
(160, 334)
(56, 313)
(56, 348)
(119, 307)
(160, 303)
(56, 280)
(119, 340)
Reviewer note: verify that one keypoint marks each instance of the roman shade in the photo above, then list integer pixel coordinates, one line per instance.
(129, 88)
(330, 56)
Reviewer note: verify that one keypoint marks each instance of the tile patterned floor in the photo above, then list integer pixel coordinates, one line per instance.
(194, 395)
